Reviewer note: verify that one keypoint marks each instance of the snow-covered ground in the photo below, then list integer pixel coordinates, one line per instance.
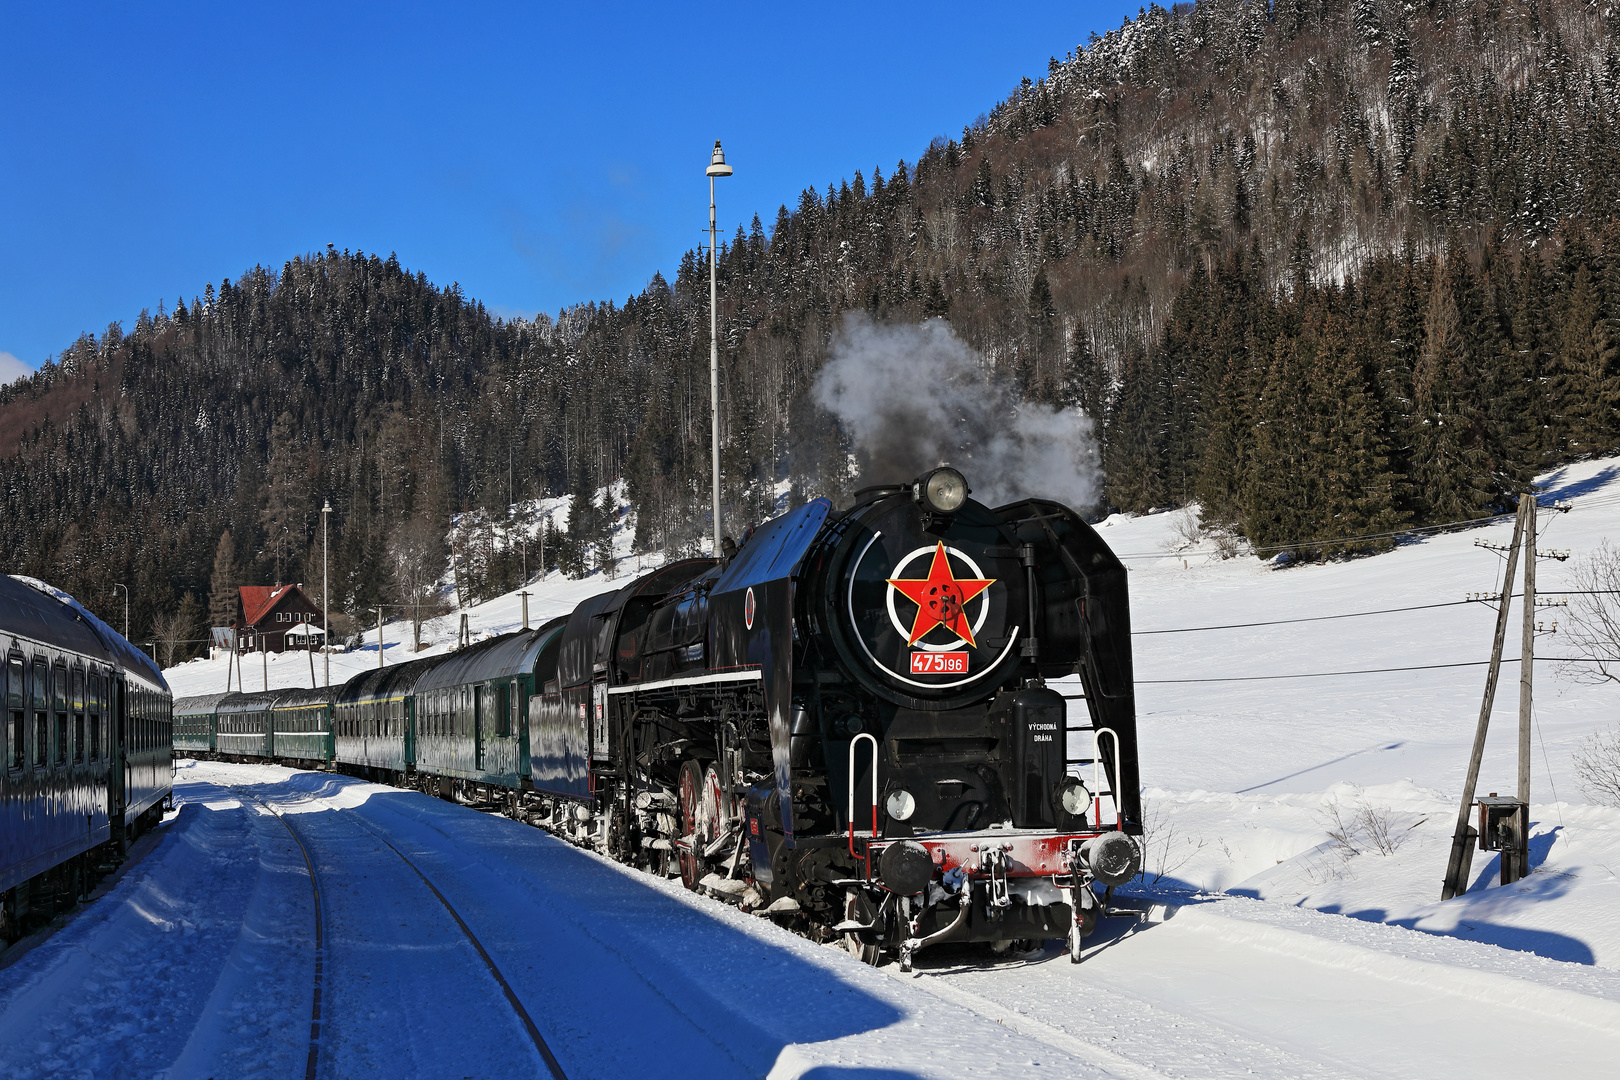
(202, 963)
(1272, 950)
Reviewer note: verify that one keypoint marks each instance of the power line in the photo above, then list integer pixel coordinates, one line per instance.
(1362, 614)
(1305, 619)
(1381, 671)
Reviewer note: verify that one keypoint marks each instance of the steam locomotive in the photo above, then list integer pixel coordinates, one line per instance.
(849, 719)
(845, 722)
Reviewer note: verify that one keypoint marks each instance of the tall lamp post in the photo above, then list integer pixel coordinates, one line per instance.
(326, 602)
(717, 167)
(119, 585)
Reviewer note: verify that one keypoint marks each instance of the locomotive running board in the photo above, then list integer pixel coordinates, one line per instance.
(751, 675)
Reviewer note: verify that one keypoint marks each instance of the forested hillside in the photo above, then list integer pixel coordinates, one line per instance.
(1329, 268)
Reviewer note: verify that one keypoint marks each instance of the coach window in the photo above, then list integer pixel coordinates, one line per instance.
(42, 725)
(59, 712)
(16, 717)
(97, 684)
(77, 704)
(502, 716)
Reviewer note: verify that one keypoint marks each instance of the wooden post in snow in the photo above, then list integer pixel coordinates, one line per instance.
(1461, 860)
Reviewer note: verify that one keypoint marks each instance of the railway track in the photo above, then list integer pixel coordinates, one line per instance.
(553, 1066)
(316, 1003)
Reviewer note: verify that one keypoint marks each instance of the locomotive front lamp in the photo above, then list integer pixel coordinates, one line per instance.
(943, 491)
(900, 804)
(1073, 797)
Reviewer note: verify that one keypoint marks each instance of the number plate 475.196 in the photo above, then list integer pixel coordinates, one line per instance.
(939, 663)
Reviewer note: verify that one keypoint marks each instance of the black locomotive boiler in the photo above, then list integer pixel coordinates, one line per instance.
(850, 719)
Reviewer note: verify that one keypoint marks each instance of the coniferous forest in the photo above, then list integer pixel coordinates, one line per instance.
(1328, 268)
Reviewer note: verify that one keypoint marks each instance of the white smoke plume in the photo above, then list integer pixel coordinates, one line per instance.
(913, 397)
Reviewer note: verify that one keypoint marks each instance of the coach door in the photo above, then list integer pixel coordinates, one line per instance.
(480, 719)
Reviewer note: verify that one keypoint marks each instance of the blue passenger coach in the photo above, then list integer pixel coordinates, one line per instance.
(86, 749)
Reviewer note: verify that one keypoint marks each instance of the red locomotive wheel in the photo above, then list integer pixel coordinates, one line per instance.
(713, 809)
(692, 815)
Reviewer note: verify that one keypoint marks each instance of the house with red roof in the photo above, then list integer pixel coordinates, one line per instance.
(265, 614)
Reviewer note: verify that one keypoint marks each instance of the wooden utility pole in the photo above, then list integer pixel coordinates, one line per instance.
(1527, 649)
(455, 574)
(1461, 860)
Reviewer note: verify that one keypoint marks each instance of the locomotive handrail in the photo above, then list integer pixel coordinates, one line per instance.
(1096, 783)
(852, 744)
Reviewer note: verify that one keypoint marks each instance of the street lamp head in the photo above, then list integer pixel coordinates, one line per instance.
(326, 506)
(717, 162)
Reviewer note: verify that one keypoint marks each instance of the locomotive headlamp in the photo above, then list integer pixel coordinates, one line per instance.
(1073, 797)
(901, 804)
(943, 491)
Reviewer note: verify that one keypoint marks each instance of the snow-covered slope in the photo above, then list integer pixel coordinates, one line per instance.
(1245, 780)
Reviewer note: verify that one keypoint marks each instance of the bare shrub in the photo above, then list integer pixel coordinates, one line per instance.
(1597, 766)
(1163, 852)
(1592, 627)
(1185, 529)
(1362, 827)
(1228, 544)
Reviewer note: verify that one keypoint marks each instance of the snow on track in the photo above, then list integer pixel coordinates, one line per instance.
(199, 958)
(200, 962)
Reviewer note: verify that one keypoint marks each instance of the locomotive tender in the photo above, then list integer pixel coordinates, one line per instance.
(86, 747)
(845, 723)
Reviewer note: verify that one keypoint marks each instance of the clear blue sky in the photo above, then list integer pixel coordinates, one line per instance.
(538, 154)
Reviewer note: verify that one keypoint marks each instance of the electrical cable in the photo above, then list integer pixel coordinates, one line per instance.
(1547, 764)
(1304, 619)
(1360, 614)
(1380, 671)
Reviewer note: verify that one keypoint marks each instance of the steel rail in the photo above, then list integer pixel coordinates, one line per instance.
(313, 1060)
(539, 1041)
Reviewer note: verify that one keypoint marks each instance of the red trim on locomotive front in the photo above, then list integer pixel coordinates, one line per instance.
(1028, 854)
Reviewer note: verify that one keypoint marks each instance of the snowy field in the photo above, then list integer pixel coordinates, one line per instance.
(1271, 949)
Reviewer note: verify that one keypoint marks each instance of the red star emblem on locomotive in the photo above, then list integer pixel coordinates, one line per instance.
(941, 598)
